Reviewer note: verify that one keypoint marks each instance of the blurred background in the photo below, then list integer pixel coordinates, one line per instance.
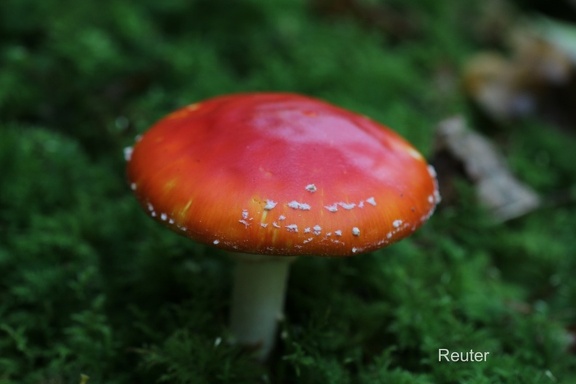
(93, 291)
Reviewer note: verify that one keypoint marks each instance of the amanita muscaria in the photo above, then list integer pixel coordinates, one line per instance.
(272, 176)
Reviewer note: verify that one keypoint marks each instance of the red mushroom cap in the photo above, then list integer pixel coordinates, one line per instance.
(281, 174)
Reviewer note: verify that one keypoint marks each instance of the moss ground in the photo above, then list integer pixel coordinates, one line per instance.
(90, 285)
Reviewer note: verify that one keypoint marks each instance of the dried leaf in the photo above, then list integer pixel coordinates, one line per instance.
(497, 189)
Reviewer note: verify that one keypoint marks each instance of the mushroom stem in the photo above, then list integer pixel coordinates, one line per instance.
(258, 300)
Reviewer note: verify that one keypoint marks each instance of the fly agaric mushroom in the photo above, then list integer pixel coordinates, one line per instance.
(272, 176)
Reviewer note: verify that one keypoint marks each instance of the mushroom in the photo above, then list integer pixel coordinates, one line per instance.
(273, 176)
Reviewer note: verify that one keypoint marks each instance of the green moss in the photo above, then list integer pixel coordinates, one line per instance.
(91, 286)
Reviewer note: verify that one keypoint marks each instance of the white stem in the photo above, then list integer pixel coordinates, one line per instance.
(258, 300)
